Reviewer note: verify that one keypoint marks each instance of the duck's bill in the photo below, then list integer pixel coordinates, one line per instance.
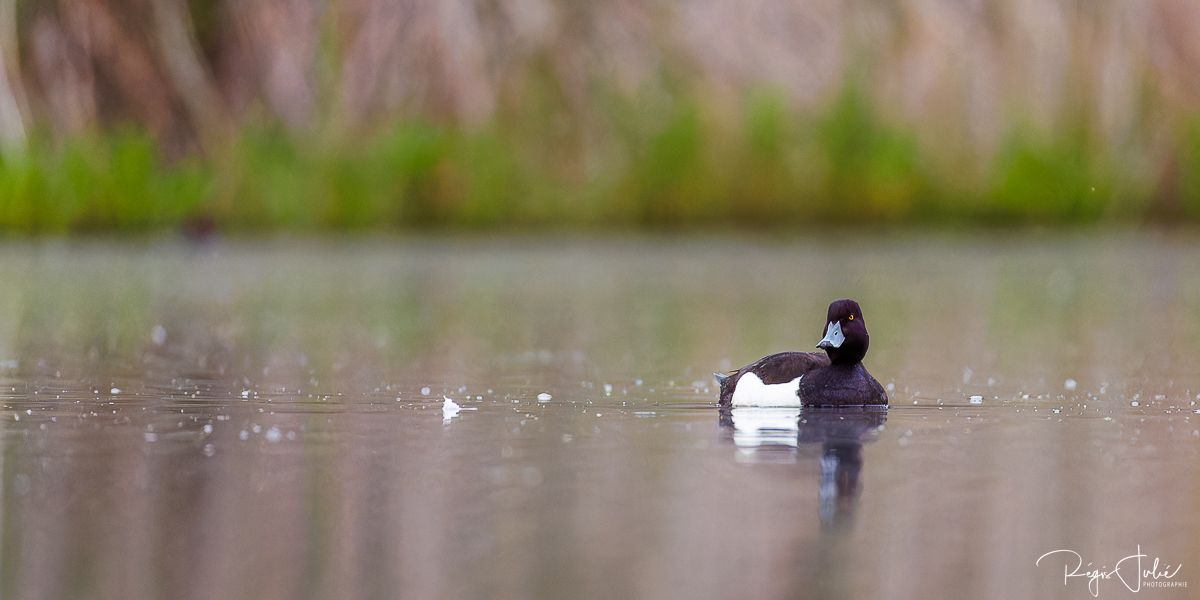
(833, 336)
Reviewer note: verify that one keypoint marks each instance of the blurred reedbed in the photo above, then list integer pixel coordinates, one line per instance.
(298, 113)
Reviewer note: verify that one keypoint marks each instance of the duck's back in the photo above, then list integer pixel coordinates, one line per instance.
(773, 370)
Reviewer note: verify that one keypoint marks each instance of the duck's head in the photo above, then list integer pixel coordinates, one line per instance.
(846, 338)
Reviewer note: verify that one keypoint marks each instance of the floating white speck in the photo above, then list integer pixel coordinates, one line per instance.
(150, 436)
(1070, 385)
(1160, 397)
(209, 450)
(115, 391)
(891, 387)
(450, 408)
(207, 429)
(976, 399)
(244, 435)
(274, 435)
(608, 389)
(425, 391)
(544, 397)
(158, 335)
(1135, 403)
(1056, 411)
(245, 393)
(638, 382)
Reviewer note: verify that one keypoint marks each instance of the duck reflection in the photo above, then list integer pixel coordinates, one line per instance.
(781, 435)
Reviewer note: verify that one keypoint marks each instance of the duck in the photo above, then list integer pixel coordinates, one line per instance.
(834, 377)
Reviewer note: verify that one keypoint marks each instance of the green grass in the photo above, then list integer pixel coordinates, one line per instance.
(665, 164)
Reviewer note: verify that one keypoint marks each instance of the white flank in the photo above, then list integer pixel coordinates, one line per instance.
(751, 391)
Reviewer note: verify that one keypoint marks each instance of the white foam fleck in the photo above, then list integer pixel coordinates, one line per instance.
(544, 397)
(450, 408)
(115, 391)
(150, 436)
(1070, 385)
(425, 391)
(976, 399)
(274, 435)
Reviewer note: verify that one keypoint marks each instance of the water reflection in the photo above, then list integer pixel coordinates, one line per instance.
(776, 435)
(277, 429)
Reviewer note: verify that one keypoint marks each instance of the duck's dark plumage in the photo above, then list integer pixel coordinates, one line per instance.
(841, 385)
(835, 378)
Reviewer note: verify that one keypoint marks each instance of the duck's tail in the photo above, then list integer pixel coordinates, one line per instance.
(721, 378)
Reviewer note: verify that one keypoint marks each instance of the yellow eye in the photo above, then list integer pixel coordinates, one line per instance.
(851, 317)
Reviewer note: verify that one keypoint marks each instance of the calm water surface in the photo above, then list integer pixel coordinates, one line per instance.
(264, 420)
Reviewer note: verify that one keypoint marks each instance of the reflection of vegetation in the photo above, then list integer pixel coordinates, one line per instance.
(670, 165)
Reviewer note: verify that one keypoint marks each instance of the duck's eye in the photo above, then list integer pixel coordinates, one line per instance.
(851, 317)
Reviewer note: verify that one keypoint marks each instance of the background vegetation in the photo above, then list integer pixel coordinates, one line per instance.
(125, 115)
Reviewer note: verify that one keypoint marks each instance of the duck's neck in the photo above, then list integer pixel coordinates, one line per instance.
(845, 362)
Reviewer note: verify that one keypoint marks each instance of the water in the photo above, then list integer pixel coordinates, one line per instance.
(267, 420)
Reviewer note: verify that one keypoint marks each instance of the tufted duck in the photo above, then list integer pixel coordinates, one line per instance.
(836, 378)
